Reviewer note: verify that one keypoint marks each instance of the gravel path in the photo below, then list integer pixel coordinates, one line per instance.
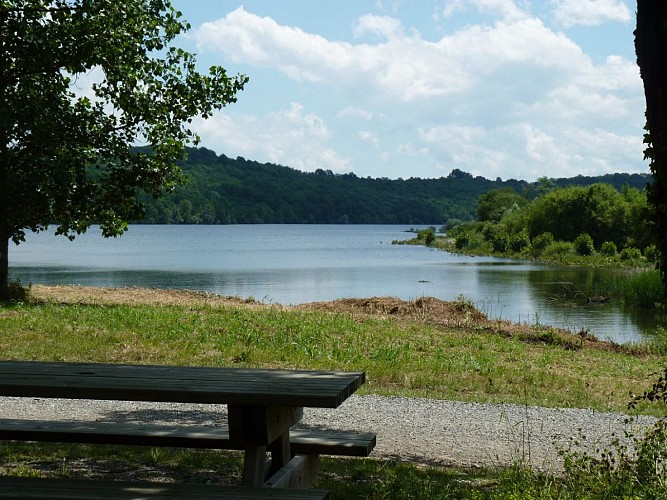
(421, 430)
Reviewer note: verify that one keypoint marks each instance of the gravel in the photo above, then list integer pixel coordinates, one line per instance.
(420, 430)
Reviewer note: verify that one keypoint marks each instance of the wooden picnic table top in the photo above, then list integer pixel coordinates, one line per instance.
(183, 384)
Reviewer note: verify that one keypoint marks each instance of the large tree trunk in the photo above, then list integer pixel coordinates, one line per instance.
(651, 48)
(4, 269)
(4, 174)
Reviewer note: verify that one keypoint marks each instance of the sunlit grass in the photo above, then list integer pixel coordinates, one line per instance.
(404, 357)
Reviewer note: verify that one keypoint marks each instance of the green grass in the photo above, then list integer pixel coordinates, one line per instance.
(641, 289)
(347, 479)
(401, 356)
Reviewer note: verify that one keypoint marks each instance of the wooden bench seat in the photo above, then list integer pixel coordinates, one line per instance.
(60, 489)
(309, 442)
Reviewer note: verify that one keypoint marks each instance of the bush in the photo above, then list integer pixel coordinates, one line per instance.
(428, 235)
(634, 470)
(500, 243)
(541, 242)
(451, 224)
(559, 248)
(462, 241)
(652, 254)
(519, 242)
(608, 248)
(457, 231)
(584, 244)
(631, 253)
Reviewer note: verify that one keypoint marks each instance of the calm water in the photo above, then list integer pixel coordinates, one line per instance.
(292, 264)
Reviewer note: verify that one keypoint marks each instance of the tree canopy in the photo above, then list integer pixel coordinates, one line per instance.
(492, 206)
(223, 190)
(69, 157)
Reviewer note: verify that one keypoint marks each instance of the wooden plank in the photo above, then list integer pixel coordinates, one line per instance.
(254, 465)
(123, 433)
(325, 442)
(300, 472)
(60, 489)
(178, 383)
(317, 441)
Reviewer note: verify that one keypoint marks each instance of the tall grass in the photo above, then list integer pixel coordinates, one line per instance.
(639, 289)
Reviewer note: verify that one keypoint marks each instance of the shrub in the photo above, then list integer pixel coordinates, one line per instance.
(637, 469)
(541, 242)
(500, 242)
(456, 231)
(519, 242)
(428, 235)
(583, 244)
(451, 224)
(631, 253)
(652, 254)
(608, 248)
(462, 241)
(559, 248)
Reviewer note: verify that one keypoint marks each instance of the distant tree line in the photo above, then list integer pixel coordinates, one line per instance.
(223, 190)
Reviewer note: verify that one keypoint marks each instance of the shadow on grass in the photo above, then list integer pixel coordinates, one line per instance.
(346, 478)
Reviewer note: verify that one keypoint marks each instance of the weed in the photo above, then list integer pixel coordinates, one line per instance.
(633, 467)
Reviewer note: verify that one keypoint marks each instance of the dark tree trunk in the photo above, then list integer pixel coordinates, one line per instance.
(651, 48)
(4, 173)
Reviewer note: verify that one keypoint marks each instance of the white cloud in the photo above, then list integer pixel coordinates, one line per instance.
(370, 137)
(402, 68)
(354, 112)
(524, 151)
(399, 68)
(383, 26)
(570, 13)
(539, 145)
(512, 96)
(505, 9)
(411, 150)
(286, 137)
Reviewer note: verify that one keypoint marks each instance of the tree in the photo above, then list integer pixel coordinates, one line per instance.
(492, 206)
(598, 210)
(71, 158)
(651, 48)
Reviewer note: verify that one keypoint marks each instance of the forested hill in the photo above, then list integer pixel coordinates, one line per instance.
(239, 191)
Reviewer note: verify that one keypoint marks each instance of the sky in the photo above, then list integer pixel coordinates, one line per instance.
(515, 89)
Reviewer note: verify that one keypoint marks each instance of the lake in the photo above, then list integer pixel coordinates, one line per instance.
(292, 264)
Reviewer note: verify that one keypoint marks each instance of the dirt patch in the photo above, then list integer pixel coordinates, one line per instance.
(132, 295)
(429, 309)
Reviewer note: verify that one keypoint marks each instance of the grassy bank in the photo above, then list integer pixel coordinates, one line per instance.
(425, 348)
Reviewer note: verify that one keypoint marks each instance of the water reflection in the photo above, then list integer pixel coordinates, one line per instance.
(297, 264)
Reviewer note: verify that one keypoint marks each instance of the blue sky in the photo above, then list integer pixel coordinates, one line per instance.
(416, 88)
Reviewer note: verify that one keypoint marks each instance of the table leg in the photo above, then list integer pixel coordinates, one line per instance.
(258, 429)
(280, 452)
(254, 465)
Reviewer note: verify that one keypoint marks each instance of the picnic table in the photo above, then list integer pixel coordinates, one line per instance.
(262, 406)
